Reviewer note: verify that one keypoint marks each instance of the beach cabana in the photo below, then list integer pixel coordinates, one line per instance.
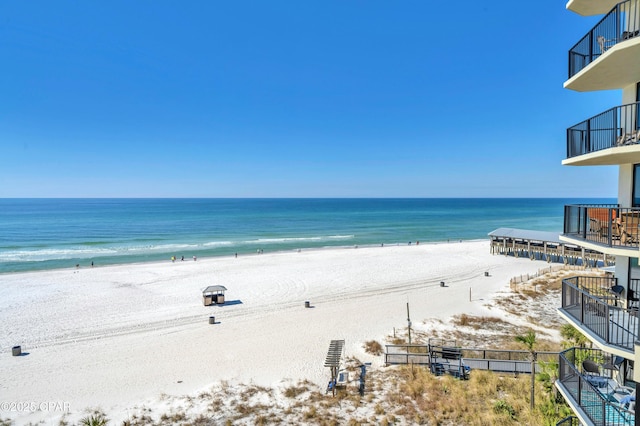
(214, 294)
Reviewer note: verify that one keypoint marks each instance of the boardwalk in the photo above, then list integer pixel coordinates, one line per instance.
(541, 245)
(502, 361)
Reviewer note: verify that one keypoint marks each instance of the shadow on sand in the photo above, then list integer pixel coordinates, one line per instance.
(230, 303)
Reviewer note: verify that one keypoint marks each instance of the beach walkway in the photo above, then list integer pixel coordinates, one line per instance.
(542, 245)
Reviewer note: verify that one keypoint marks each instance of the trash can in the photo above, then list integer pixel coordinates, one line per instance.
(486, 274)
(220, 299)
(212, 320)
(16, 351)
(441, 283)
(207, 300)
(307, 304)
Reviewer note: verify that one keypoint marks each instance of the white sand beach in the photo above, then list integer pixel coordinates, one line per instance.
(115, 336)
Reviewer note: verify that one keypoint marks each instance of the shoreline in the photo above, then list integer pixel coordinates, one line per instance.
(190, 258)
(115, 336)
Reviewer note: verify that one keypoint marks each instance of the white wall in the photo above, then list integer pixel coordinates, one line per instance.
(625, 185)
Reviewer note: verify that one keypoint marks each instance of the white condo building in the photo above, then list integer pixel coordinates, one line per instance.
(599, 382)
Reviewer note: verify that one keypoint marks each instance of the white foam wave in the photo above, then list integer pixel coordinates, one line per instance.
(81, 252)
(54, 254)
(40, 255)
(298, 239)
(217, 244)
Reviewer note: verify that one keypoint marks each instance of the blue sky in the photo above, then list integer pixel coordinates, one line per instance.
(292, 99)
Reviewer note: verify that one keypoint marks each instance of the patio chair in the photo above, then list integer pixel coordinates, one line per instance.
(622, 139)
(598, 228)
(629, 231)
(599, 219)
(614, 364)
(624, 397)
(616, 291)
(632, 300)
(604, 43)
(629, 401)
(620, 232)
(595, 308)
(632, 137)
(592, 374)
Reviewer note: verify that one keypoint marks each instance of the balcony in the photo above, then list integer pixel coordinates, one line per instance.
(606, 228)
(609, 138)
(593, 305)
(608, 56)
(596, 399)
(569, 421)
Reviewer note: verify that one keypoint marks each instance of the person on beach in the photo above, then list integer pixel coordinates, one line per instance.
(195, 258)
(182, 258)
(173, 258)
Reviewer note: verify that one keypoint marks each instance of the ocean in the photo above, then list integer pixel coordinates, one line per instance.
(40, 234)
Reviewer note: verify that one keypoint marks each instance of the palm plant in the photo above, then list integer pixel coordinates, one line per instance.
(573, 336)
(529, 341)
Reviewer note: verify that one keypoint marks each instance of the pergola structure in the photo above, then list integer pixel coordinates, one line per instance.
(214, 294)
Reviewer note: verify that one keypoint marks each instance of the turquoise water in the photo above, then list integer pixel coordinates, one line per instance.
(38, 234)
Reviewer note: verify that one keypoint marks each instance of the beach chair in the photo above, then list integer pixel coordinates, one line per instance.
(592, 374)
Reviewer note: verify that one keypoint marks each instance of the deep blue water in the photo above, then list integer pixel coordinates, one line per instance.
(40, 234)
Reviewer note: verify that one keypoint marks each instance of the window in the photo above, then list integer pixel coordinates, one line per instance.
(637, 109)
(634, 268)
(636, 185)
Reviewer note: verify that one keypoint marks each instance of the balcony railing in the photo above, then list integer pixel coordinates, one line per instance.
(591, 304)
(620, 24)
(615, 127)
(569, 421)
(604, 224)
(594, 402)
(598, 287)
